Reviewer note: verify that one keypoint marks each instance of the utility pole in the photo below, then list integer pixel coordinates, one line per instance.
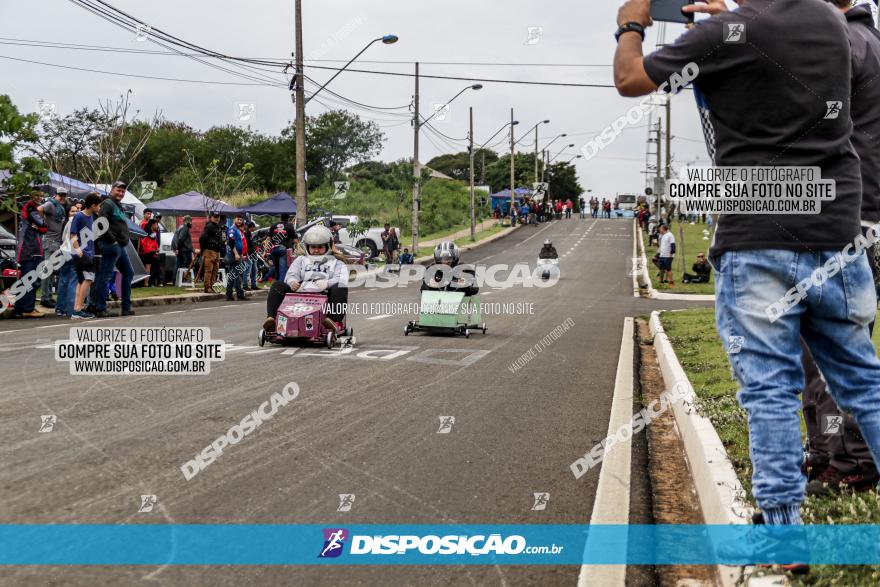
(668, 138)
(483, 167)
(657, 132)
(471, 150)
(512, 171)
(417, 171)
(536, 152)
(302, 206)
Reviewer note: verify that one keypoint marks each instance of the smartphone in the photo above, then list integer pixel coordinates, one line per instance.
(670, 11)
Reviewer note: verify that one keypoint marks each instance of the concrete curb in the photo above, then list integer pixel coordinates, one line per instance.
(718, 489)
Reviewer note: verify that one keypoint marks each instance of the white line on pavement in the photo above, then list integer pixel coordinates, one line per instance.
(174, 312)
(611, 505)
(52, 326)
(272, 350)
(380, 316)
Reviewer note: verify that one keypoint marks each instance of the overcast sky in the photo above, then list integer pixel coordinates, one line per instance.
(496, 31)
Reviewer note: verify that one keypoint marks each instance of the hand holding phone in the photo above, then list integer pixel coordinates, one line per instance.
(671, 11)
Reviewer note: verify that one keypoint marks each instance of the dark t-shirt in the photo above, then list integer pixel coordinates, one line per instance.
(865, 42)
(79, 222)
(769, 98)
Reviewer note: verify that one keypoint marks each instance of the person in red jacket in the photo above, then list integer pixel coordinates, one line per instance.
(148, 250)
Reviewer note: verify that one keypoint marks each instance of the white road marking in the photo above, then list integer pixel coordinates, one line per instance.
(380, 316)
(174, 312)
(261, 351)
(52, 326)
(289, 352)
(17, 330)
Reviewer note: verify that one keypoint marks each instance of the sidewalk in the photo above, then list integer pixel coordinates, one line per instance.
(485, 224)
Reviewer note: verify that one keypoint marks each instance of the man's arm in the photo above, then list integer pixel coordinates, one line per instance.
(630, 76)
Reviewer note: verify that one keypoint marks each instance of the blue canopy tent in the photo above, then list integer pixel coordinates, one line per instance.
(280, 203)
(502, 199)
(192, 204)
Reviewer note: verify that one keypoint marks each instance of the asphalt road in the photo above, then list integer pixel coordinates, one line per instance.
(365, 423)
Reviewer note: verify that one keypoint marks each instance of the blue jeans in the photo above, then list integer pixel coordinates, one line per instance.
(184, 258)
(66, 288)
(252, 273)
(27, 302)
(279, 259)
(833, 320)
(235, 274)
(112, 257)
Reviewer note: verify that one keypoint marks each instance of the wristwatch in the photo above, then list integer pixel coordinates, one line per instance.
(630, 26)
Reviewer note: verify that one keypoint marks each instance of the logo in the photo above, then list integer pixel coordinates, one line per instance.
(442, 112)
(147, 503)
(346, 500)
(142, 32)
(637, 266)
(47, 423)
(341, 188)
(310, 323)
(246, 112)
(541, 501)
(446, 423)
(534, 35)
(833, 425)
(735, 344)
(45, 110)
(334, 541)
(833, 109)
(735, 33)
(148, 189)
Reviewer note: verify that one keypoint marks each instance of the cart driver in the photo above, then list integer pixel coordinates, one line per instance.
(318, 271)
(460, 279)
(548, 251)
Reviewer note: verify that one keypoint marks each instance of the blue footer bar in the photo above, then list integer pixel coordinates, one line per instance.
(490, 544)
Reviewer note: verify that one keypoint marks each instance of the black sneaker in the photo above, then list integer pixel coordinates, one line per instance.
(828, 482)
(861, 481)
(128, 312)
(242, 298)
(103, 314)
(47, 304)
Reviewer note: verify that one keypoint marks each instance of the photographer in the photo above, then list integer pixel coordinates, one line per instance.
(772, 106)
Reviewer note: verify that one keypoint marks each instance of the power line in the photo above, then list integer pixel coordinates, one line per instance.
(169, 79)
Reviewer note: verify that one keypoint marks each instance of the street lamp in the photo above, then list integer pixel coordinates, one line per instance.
(573, 158)
(417, 169)
(298, 87)
(535, 128)
(511, 124)
(387, 40)
(560, 153)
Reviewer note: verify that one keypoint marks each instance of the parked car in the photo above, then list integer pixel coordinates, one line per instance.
(369, 242)
(7, 242)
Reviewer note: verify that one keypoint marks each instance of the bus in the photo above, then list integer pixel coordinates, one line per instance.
(627, 201)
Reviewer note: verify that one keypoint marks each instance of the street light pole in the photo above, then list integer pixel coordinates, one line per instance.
(302, 211)
(512, 166)
(417, 171)
(471, 149)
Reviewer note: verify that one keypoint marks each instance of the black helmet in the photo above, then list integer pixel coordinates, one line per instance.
(447, 252)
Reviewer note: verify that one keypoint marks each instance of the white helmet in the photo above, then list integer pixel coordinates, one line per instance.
(548, 243)
(318, 236)
(447, 252)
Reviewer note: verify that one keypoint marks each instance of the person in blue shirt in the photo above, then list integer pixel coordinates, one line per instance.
(406, 258)
(524, 211)
(84, 253)
(236, 251)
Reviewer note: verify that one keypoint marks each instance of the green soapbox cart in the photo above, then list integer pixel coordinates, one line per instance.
(449, 312)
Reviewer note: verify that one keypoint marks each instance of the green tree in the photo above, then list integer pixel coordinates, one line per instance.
(337, 139)
(498, 173)
(458, 165)
(562, 178)
(17, 132)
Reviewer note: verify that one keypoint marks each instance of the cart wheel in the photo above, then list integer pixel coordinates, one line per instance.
(484, 328)
(349, 332)
(330, 340)
(261, 337)
(407, 329)
(467, 333)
